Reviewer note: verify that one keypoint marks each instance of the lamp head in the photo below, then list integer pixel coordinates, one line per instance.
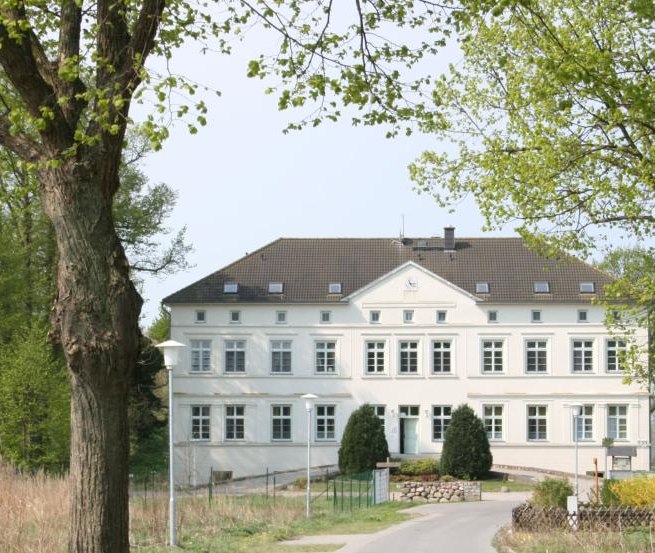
(576, 409)
(170, 349)
(309, 401)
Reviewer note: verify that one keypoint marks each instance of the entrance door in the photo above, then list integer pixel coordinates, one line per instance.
(409, 435)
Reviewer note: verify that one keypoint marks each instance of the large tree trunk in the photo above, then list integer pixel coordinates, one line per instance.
(96, 319)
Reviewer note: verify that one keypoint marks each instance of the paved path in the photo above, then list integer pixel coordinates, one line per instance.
(447, 528)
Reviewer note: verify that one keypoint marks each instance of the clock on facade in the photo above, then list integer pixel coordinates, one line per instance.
(411, 284)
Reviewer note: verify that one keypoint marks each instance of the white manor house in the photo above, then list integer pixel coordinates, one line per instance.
(414, 327)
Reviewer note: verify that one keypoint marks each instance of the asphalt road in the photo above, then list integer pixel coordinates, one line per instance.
(443, 528)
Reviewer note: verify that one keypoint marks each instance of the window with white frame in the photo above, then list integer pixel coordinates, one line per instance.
(235, 422)
(583, 355)
(492, 356)
(492, 316)
(583, 316)
(536, 356)
(408, 410)
(200, 422)
(441, 316)
(325, 317)
(325, 422)
(408, 316)
(615, 355)
(275, 287)
(584, 428)
(492, 417)
(235, 316)
(587, 287)
(617, 422)
(281, 317)
(235, 356)
(230, 288)
(201, 352)
(374, 317)
(201, 316)
(334, 288)
(380, 413)
(326, 357)
(541, 287)
(535, 315)
(281, 356)
(537, 422)
(408, 357)
(281, 422)
(481, 287)
(441, 357)
(375, 357)
(440, 421)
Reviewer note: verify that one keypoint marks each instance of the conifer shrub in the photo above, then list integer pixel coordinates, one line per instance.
(363, 443)
(466, 453)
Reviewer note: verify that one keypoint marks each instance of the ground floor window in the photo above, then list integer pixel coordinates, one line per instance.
(617, 422)
(235, 422)
(200, 422)
(325, 422)
(440, 421)
(493, 421)
(281, 422)
(537, 422)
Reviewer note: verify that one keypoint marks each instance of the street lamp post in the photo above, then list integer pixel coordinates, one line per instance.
(170, 350)
(576, 410)
(309, 406)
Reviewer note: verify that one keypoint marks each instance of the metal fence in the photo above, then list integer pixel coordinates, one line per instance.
(359, 490)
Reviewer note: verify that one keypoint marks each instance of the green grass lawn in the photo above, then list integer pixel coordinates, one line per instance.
(246, 524)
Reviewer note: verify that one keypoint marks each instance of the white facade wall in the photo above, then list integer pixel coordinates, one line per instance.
(466, 327)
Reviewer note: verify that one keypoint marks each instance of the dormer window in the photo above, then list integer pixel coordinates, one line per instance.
(587, 287)
(541, 287)
(275, 287)
(334, 288)
(201, 316)
(230, 288)
(481, 287)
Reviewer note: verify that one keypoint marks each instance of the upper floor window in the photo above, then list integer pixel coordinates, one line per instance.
(325, 422)
(481, 287)
(587, 287)
(281, 356)
(230, 288)
(200, 422)
(275, 287)
(408, 316)
(235, 356)
(281, 317)
(201, 351)
(583, 355)
(235, 316)
(326, 317)
(374, 316)
(326, 357)
(201, 316)
(492, 356)
(375, 357)
(536, 356)
(441, 316)
(536, 316)
(541, 287)
(441, 357)
(492, 417)
(492, 316)
(408, 357)
(537, 422)
(334, 288)
(583, 316)
(615, 355)
(235, 422)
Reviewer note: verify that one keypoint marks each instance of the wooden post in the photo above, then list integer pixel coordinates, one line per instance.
(596, 479)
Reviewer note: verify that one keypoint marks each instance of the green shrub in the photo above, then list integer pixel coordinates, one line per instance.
(551, 493)
(363, 443)
(448, 478)
(466, 453)
(638, 491)
(607, 495)
(419, 467)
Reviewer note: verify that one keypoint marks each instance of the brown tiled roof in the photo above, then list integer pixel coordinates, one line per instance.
(307, 265)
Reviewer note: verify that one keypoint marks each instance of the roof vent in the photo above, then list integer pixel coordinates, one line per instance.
(449, 239)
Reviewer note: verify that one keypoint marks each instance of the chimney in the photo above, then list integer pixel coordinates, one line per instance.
(449, 239)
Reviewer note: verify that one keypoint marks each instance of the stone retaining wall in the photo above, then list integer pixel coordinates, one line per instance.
(440, 492)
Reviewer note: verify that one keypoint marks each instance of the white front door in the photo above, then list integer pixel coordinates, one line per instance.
(410, 436)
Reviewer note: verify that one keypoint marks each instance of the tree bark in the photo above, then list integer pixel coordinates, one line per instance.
(96, 320)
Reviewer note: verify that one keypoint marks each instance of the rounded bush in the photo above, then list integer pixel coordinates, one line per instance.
(363, 443)
(552, 493)
(466, 453)
(419, 467)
